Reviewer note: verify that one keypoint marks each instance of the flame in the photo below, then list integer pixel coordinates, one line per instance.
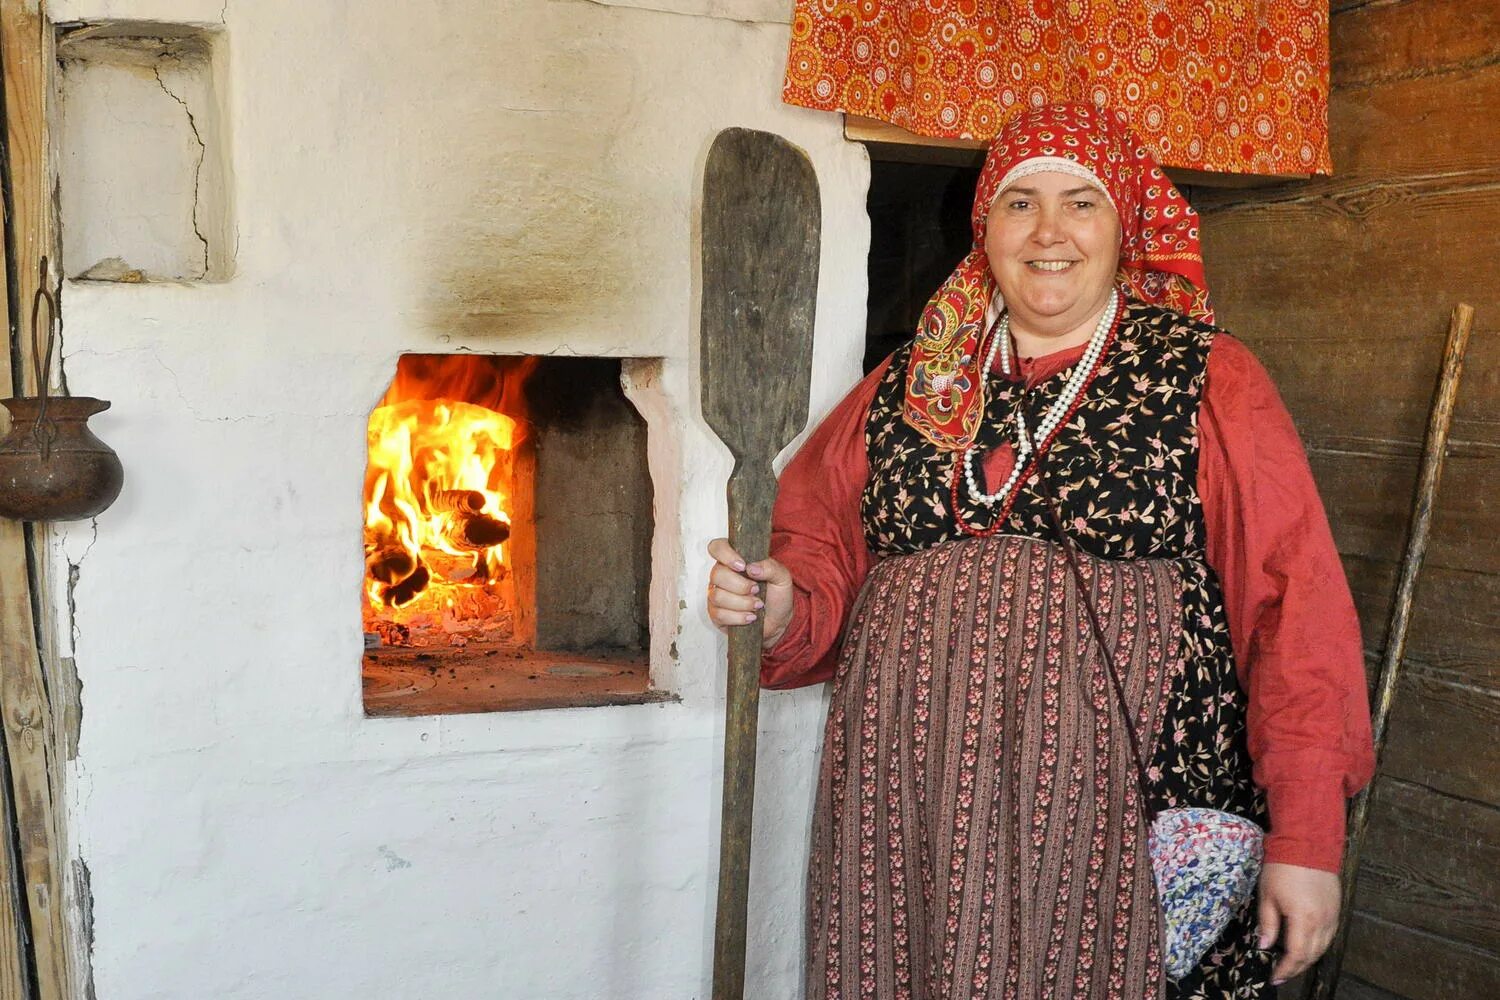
(438, 484)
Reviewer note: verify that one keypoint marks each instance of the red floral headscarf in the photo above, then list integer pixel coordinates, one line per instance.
(1160, 260)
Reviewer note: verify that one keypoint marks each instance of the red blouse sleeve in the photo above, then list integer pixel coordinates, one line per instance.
(1291, 618)
(816, 533)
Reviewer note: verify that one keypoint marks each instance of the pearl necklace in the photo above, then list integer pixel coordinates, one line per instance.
(1082, 373)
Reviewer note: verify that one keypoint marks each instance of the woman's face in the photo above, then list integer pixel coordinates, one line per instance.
(1053, 243)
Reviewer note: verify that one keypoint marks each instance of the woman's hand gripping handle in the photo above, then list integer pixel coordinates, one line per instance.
(739, 593)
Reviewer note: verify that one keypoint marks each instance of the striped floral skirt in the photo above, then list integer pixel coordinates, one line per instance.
(978, 830)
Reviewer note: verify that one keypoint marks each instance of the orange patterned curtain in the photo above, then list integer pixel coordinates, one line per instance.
(1237, 85)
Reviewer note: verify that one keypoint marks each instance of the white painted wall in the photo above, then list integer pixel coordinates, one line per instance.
(511, 176)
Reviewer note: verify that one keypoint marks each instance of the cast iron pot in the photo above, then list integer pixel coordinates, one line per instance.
(52, 467)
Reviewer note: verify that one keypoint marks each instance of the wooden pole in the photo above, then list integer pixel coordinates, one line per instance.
(15, 979)
(28, 678)
(1322, 979)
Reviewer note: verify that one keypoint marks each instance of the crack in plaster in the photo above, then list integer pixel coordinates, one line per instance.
(177, 387)
(75, 573)
(83, 881)
(69, 704)
(615, 5)
(57, 293)
(357, 414)
(562, 349)
(198, 169)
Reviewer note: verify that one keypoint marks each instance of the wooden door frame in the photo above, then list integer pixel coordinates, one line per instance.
(35, 683)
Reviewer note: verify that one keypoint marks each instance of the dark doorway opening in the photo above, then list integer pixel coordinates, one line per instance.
(919, 230)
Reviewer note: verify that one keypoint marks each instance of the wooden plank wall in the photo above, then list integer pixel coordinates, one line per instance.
(1343, 286)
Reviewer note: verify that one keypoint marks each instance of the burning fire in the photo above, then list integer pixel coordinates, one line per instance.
(437, 496)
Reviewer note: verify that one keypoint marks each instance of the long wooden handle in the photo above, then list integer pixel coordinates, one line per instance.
(1322, 980)
(752, 490)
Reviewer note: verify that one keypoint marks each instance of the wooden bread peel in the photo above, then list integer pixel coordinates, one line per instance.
(761, 222)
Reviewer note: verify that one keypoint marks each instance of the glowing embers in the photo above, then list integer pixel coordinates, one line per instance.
(445, 466)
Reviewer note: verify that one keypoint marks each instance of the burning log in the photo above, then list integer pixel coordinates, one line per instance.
(406, 591)
(474, 532)
(390, 564)
(457, 501)
(454, 569)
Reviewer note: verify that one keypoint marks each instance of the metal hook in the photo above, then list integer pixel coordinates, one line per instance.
(44, 430)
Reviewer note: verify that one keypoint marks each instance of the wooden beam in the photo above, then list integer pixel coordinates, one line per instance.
(26, 51)
(895, 142)
(1432, 863)
(28, 745)
(14, 981)
(1419, 965)
(860, 129)
(30, 724)
(1373, 43)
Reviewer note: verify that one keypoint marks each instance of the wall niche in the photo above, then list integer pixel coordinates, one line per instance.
(143, 164)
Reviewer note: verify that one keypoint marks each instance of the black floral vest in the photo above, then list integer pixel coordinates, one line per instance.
(1124, 470)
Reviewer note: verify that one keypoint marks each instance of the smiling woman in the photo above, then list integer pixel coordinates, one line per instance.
(1061, 588)
(1053, 247)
